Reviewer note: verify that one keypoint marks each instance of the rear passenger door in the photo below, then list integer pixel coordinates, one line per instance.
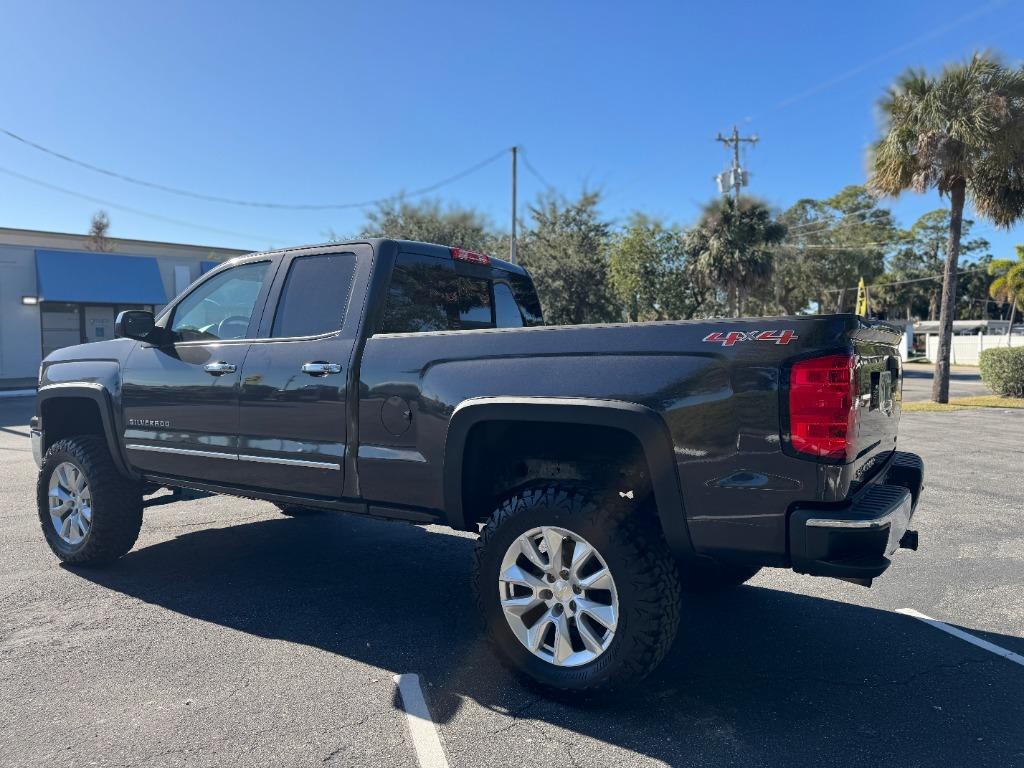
(293, 412)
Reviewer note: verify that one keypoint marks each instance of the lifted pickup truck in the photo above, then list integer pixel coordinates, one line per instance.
(607, 468)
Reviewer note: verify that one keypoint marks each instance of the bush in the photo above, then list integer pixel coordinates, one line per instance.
(1002, 370)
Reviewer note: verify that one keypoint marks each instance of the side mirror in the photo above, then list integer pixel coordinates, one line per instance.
(136, 324)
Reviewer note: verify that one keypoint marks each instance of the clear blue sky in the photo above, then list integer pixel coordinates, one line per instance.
(337, 102)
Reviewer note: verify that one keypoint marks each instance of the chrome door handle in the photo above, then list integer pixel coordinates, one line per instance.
(321, 369)
(219, 368)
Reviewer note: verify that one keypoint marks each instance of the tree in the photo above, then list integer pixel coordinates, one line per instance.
(919, 257)
(831, 244)
(732, 247)
(962, 134)
(648, 272)
(566, 249)
(98, 240)
(1009, 283)
(428, 221)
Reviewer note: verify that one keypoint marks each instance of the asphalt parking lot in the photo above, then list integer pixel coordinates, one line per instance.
(964, 381)
(232, 636)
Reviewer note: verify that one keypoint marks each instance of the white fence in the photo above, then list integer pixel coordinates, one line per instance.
(966, 349)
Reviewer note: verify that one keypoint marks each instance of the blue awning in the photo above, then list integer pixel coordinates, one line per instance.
(98, 278)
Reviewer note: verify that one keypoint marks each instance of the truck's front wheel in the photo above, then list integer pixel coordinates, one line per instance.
(577, 591)
(89, 512)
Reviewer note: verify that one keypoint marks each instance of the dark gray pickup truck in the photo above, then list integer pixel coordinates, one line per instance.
(607, 468)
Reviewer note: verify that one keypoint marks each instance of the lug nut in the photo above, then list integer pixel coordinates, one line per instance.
(549, 578)
(546, 594)
(564, 573)
(576, 588)
(572, 605)
(557, 609)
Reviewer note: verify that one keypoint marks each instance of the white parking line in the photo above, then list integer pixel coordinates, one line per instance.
(1016, 658)
(425, 739)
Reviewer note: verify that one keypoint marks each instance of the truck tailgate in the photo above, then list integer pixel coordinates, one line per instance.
(879, 384)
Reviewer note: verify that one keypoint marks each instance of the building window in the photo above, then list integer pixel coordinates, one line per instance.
(66, 324)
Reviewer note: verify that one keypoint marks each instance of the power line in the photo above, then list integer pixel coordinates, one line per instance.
(852, 247)
(825, 225)
(905, 282)
(252, 203)
(533, 171)
(851, 73)
(135, 211)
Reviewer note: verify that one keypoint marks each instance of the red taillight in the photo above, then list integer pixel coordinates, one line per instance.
(471, 256)
(822, 417)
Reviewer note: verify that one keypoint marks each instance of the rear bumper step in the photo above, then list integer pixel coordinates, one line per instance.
(855, 541)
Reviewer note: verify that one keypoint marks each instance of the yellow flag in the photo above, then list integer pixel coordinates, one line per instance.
(862, 299)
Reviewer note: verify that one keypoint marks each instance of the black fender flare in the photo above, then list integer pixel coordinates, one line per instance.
(104, 403)
(643, 423)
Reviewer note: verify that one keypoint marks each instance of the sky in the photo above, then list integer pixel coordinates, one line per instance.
(340, 102)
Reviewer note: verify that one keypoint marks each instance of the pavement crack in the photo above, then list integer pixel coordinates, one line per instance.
(516, 714)
(568, 745)
(354, 724)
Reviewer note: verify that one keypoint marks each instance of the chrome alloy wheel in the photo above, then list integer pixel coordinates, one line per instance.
(70, 503)
(558, 596)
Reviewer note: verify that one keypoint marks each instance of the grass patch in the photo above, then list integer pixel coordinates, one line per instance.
(959, 403)
(928, 405)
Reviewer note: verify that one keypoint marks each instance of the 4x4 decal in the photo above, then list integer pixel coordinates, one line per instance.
(730, 338)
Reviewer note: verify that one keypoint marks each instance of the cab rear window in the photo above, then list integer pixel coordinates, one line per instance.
(427, 294)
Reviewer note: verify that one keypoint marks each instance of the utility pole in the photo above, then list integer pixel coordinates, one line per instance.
(512, 245)
(736, 176)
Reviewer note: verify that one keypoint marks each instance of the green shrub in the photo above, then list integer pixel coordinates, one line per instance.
(1002, 370)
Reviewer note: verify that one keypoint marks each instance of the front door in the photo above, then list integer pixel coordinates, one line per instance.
(293, 406)
(181, 399)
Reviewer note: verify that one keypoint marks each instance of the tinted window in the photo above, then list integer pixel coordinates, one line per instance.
(221, 307)
(505, 308)
(526, 298)
(474, 297)
(421, 294)
(427, 294)
(315, 295)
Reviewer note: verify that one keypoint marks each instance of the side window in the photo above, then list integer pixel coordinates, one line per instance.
(420, 296)
(505, 308)
(221, 307)
(526, 298)
(474, 303)
(427, 294)
(315, 295)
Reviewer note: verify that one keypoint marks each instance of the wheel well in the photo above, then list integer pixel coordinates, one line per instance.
(66, 416)
(501, 456)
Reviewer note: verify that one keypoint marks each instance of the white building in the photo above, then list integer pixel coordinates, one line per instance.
(55, 292)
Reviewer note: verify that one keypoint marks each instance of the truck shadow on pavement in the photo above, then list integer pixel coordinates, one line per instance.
(15, 413)
(757, 677)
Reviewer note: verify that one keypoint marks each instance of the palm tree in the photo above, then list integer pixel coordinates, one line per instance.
(962, 133)
(1009, 283)
(731, 246)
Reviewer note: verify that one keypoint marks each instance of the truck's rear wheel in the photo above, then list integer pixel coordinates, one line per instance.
(89, 512)
(577, 591)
